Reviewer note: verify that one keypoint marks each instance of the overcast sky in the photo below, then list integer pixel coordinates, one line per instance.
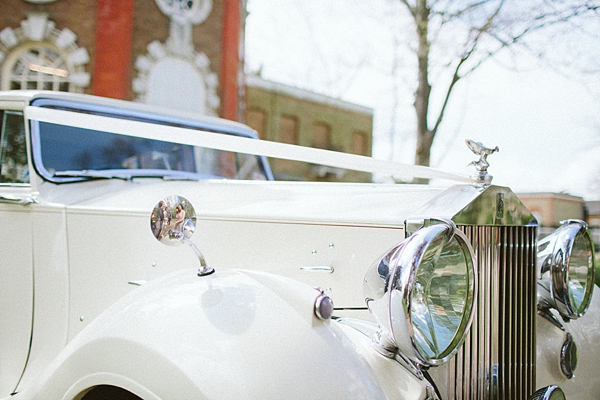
(546, 124)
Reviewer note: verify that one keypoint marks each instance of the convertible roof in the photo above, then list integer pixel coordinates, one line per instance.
(29, 96)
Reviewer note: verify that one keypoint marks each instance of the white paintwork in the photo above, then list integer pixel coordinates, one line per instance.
(235, 334)
(16, 294)
(312, 229)
(227, 336)
(586, 333)
(51, 287)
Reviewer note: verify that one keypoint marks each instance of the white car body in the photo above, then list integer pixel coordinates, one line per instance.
(91, 300)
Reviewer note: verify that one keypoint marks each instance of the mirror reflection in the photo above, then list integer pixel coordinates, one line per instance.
(173, 219)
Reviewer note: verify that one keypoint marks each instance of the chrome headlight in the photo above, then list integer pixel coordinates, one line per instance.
(552, 392)
(566, 269)
(422, 294)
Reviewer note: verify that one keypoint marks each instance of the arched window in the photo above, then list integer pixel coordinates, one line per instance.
(39, 56)
(36, 66)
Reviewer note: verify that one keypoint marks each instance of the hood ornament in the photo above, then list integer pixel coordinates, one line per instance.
(481, 165)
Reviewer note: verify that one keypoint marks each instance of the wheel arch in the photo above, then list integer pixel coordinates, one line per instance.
(121, 361)
(219, 336)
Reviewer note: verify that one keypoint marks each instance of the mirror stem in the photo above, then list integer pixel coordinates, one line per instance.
(204, 268)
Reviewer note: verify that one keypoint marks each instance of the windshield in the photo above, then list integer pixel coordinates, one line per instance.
(67, 153)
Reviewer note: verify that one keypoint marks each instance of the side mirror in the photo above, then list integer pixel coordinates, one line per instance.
(173, 222)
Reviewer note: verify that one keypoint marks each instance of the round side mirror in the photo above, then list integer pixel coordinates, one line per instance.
(173, 222)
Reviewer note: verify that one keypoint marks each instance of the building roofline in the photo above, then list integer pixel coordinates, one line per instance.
(545, 195)
(302, 94)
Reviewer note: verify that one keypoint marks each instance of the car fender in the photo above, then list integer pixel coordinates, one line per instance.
(232, 334)
(585, 332)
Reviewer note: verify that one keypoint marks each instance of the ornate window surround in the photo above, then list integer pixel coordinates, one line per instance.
(179, 45)
(37, 34)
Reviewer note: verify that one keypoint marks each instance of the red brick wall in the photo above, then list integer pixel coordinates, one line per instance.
(149, 24)
(112, 72)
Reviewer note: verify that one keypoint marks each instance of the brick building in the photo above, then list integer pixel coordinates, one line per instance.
(593, 213)
(551, 208)
(183, 54)
(290, 115)
(593, 219)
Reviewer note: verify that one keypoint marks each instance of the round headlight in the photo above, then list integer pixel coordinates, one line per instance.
(422, 293)
(566, 265)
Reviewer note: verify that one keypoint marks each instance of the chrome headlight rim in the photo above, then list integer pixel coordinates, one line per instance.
(398, 284)
(552, 392)
(460, 335)
(555, 260)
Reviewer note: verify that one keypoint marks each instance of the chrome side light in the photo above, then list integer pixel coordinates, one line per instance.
(552, 392)
(566, 269)
(323, 306)
(568, 357)
(422, 294)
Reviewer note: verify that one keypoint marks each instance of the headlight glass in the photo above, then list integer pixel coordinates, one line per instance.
(439, 297)
(424, 295)
(580, 270)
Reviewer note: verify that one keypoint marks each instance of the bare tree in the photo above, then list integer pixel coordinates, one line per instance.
(462, 34)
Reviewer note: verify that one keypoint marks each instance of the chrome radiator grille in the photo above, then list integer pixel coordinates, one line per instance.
(497, 360)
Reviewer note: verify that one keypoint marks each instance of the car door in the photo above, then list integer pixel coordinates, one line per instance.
(16, 263)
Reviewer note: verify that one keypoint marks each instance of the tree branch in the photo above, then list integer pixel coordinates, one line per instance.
(456, 75)
(411, 9)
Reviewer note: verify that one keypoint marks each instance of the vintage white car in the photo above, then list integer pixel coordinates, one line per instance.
(286, 289)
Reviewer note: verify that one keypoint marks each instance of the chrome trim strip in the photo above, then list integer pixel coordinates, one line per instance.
(321, 268)
(15, 199)
(137, 282)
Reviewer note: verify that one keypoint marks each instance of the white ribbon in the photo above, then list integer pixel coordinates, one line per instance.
(236, 144)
